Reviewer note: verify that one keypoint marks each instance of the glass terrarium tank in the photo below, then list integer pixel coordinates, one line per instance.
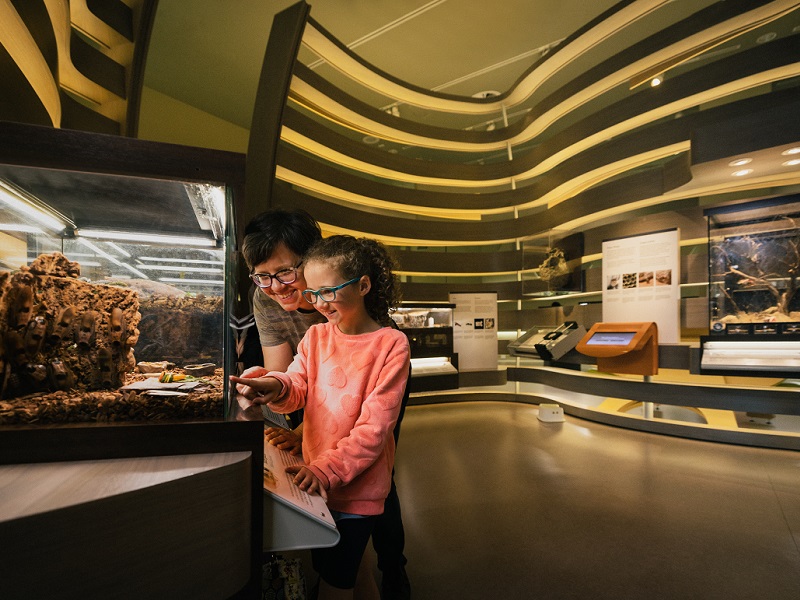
(111, 297)
(754, 259)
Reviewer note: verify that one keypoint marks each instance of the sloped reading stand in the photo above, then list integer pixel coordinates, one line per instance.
(293, 519)
(630, 348)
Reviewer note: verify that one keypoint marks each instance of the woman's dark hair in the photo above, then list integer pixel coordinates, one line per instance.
(295, 228)
(354, 257)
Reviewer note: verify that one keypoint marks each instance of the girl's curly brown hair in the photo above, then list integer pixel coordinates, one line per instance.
(354, 257)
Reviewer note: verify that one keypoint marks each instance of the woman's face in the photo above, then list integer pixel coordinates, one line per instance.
(288, 295)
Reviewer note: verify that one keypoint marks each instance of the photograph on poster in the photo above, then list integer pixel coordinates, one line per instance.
(629, 280)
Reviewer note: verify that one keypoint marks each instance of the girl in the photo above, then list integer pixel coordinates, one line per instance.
(349, 375)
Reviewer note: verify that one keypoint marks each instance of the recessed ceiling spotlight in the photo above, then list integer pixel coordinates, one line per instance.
(767, 37)
(370, 139)
(739, 162)
(486, 94)
(791, 151)
(792, 163)
(742, 172)
(657, 80)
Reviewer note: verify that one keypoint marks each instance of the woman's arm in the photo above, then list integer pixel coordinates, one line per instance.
(277, 358)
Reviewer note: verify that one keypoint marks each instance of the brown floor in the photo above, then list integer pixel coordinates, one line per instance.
(501, 506)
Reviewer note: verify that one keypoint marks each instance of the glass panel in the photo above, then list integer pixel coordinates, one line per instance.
(754, 258)
(111, 298)
(552, 265)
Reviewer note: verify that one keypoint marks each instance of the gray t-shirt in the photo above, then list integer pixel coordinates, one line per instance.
(276, 326)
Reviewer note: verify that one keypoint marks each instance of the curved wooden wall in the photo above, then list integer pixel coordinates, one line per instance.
(469, 207)
(76, 64)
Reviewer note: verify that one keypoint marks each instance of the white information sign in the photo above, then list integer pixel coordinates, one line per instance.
(475, 330)
(641, 282)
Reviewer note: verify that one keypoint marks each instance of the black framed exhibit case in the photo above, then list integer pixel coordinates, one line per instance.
(115, 263)
(754, 309)
(429, 328)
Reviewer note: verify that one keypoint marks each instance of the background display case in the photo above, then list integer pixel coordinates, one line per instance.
(754, 309)
(429, 328)
(115, 265)
(754, 259)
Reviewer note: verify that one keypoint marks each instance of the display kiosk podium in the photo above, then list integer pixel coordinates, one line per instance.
(630, 348)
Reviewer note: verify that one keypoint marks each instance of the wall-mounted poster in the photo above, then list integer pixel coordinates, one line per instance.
(641, 282)
(475, 330)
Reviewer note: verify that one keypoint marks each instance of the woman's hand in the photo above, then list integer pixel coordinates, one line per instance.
(305, 479)
(285, 439)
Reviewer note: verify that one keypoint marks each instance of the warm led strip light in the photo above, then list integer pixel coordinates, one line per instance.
(146, 237)
(19, 228)
(460, 274)
(189, 261)
(114, 260)
(179, 269)
(18, 203)
(201, 281)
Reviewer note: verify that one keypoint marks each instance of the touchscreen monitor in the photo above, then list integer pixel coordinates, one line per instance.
(611, 338)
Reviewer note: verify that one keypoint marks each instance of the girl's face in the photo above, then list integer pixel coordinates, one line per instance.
(347, 308)
(288, 295)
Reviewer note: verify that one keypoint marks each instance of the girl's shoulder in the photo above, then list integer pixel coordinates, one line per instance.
(395, 335)
(320, 329)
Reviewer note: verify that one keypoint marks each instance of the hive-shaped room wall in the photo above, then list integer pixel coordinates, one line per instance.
(636, 114)
(75, 64)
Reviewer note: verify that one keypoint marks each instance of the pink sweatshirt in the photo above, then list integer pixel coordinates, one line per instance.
(351, 387)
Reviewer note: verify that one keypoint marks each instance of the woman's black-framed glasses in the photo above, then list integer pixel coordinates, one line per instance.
(284, 276)
(328, 294)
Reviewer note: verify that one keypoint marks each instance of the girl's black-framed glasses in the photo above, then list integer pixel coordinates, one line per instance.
(328, 294)
(284, 276)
